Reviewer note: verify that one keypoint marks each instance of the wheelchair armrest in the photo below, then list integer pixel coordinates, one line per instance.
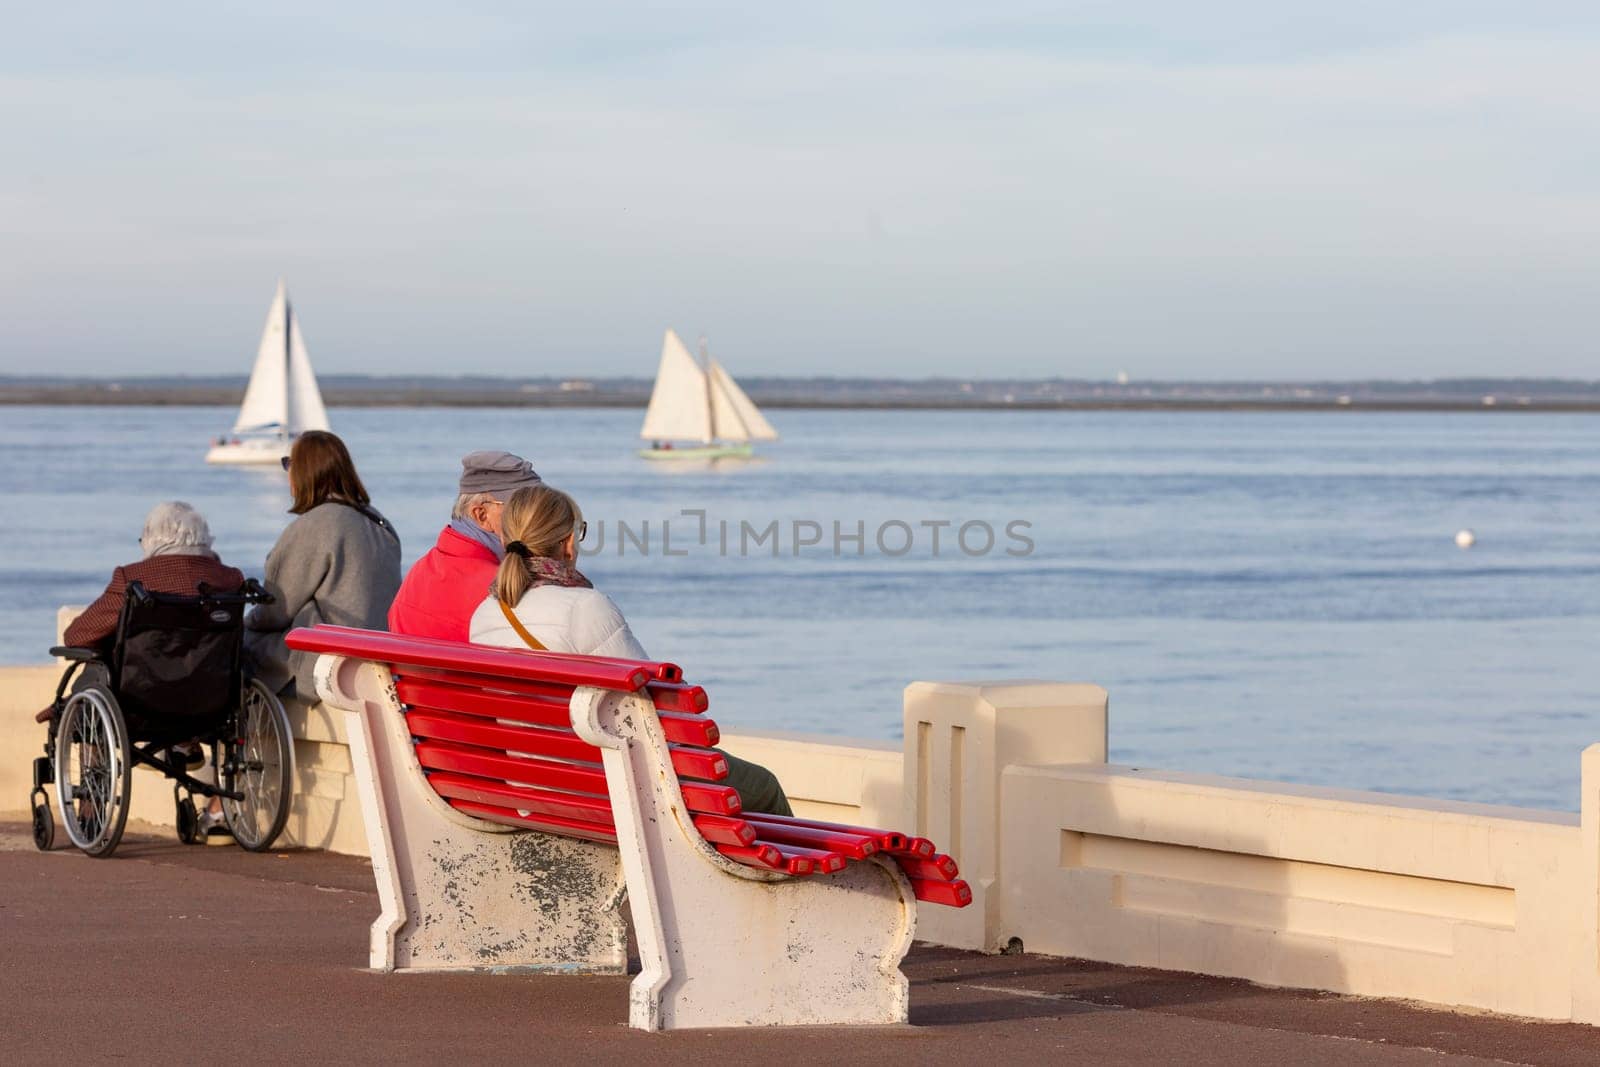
(77, 655)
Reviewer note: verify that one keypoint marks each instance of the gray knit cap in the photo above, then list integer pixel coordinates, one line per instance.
(497, 473)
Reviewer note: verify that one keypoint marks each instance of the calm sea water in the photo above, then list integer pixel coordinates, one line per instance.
(1268, 595)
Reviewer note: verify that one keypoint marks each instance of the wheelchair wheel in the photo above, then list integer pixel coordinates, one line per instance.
(259, 762)
(188, 819)
(93, 768)
(44, 825)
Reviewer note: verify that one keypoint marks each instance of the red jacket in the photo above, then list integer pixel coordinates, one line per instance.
(178, 575)
(443, 589)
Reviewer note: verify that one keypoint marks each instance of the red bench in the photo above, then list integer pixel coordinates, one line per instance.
(608, 767)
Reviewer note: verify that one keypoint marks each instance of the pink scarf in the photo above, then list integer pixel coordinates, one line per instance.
(547, 570)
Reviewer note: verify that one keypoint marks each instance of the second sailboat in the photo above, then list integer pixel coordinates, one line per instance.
(697, 402)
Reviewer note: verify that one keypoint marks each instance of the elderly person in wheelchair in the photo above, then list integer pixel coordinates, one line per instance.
(155, 672)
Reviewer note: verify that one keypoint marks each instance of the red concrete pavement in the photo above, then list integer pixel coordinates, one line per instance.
(211, 955)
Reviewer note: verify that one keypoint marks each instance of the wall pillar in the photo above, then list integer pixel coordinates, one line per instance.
(959, 738)
(1586, 968)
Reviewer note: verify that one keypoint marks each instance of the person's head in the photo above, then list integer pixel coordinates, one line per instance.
(540, 520)
(487, 481)
(320, 468)
(174, 528)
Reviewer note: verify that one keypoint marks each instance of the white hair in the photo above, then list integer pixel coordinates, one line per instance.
(467, 501)
(174, 528)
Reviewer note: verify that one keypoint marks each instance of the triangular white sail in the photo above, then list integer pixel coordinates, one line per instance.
(266, 398)
(305, 399)
(680, 406)
(282, 395)
(735, 416)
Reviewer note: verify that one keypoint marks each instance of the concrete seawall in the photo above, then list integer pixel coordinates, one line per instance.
(1455, 904)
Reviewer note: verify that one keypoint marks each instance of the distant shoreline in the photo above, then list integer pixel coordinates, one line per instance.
(134, 397)
(1491, 395)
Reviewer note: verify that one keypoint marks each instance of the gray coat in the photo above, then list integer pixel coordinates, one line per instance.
(334, 565)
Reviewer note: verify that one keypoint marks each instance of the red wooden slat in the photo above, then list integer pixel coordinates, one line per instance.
(956, 894)
(764, 856)
(579, 807)
(448, 726)
(668, 673)
(920, 847)
(541, 710)
(689, 729)
(725, 830)
(548, 774)
(939, 869)
(713, 799)
(555, 691)
(700, 763)
(669, 696)
(888, 840)
(855, 846)
(473, 659)
(426, 650)
(539, 707)
(549, 824)
(822, 861)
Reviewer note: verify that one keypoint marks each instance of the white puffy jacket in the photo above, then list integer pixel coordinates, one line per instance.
(564, 619)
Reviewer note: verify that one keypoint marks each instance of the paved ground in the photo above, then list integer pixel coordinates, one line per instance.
(213, 955)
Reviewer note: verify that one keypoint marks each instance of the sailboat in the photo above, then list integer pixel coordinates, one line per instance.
(698, 402)
(282, 400)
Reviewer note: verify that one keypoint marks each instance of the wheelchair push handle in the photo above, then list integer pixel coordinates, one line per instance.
(251, 592)
(256, 593)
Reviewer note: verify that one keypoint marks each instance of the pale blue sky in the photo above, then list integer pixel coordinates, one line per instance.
(1178, 190)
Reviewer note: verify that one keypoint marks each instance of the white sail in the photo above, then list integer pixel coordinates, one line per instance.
(680, 406)
(305, 399)
(735, 416)
(266, 399)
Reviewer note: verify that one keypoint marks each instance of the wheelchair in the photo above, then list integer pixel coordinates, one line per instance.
(175, 675)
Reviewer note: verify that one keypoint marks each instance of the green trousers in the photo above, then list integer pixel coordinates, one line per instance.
(759, 790)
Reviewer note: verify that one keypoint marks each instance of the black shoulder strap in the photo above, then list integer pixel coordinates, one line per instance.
(371, 514)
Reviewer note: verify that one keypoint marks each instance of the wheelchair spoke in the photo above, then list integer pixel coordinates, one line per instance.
(91, 770)
(257, 769)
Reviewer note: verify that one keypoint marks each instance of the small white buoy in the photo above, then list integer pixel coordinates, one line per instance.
(1465, 538)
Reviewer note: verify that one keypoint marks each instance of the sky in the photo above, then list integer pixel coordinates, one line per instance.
(1173, 190)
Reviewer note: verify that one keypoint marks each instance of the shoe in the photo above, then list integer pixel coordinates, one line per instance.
(190, 753)
(213, 829)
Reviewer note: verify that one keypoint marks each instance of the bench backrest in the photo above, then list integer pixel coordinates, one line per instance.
(492, 733)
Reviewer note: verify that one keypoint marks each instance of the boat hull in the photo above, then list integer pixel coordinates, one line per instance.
(249, 453)
(698, 452)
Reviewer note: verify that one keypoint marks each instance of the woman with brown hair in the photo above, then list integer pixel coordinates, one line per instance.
(338, 562)
(541, 600)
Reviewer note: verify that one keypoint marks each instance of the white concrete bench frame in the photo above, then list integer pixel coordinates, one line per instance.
(720, 943)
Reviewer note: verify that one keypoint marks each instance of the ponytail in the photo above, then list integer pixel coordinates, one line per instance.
(511, 580)
(536, 520)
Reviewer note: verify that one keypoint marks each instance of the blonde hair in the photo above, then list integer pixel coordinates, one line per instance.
(541, 517)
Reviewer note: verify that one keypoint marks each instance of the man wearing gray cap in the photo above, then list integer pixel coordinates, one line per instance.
(447, 584)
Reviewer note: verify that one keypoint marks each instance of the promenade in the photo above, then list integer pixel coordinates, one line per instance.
(202, 954)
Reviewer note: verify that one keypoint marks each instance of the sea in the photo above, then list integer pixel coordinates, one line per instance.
(1264, 594)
